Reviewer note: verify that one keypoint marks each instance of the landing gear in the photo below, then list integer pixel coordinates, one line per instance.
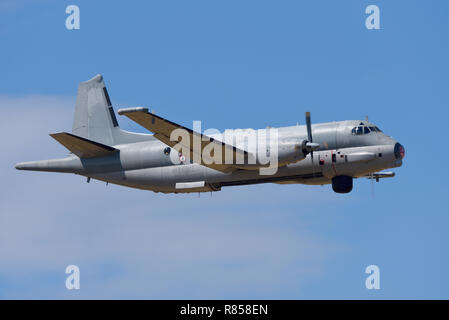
(342, 184)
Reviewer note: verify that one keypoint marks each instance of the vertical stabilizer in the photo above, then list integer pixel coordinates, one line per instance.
(95, 118)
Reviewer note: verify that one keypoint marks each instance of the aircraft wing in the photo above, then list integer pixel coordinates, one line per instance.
(163, 129)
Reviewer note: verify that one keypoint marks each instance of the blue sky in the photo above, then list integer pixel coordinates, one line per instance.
(230, 64)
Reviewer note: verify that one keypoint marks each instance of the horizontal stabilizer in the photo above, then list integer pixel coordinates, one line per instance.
(82, 147)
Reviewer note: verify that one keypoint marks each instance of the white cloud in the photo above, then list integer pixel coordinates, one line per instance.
(242, 242)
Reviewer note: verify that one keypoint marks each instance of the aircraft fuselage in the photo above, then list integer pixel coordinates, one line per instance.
(338, 152)
(144, 164)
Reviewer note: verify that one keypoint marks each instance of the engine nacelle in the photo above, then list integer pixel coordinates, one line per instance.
(292, 151)
(288, 151)
(342, 184)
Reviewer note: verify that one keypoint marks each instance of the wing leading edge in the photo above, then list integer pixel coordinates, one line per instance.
(163, 129)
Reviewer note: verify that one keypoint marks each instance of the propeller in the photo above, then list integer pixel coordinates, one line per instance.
(310, 144)
(309, 126)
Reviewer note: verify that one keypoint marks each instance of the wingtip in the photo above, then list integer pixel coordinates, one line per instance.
(57, 134)
(123, 111)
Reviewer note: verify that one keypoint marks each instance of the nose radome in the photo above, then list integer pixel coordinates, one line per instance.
(399, 151)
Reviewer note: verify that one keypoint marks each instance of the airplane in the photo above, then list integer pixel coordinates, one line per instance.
(333, 153)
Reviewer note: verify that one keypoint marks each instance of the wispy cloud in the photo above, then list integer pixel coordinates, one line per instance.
(237, 243)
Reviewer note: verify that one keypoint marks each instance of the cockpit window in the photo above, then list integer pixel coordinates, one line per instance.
(357, 130)
(362, 129)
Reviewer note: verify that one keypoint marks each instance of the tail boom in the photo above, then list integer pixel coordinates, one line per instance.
(67, 165)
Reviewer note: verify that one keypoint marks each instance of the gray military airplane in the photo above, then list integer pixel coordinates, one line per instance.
(189, 161)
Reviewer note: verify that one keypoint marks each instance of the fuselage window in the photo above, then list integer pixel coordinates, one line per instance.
(167, 151)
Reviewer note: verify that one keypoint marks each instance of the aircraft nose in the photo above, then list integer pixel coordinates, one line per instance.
(399, 151)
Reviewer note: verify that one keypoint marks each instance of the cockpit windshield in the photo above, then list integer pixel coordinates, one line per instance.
(364, 129)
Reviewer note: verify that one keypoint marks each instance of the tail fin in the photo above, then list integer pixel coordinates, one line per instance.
(95, 118)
